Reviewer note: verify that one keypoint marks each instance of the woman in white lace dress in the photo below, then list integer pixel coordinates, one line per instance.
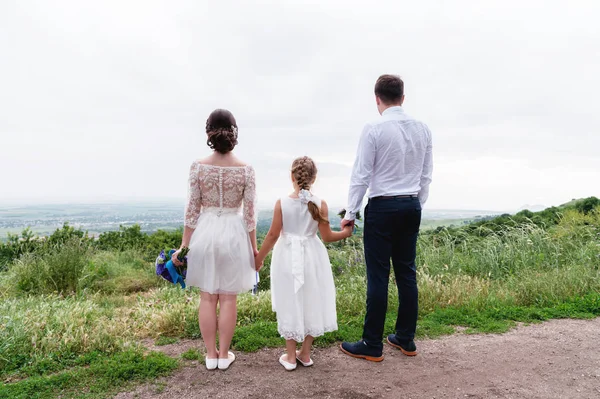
(220, 231)
(302, 288)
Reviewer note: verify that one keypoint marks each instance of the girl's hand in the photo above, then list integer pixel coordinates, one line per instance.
(258, 263)
(348, 230)
(255, 252)
(176, 261)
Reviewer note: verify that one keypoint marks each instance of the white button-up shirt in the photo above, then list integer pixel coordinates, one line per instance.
(394, 157)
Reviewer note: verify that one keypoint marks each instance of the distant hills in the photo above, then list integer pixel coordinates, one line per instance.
(43, 219)
(538, 208)
(532, 208)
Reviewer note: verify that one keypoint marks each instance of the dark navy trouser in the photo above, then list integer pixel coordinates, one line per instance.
(390, 232)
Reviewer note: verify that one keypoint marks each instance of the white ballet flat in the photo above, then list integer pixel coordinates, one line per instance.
(225, 363)
(305, 364)
(212, 364)
(288, 366)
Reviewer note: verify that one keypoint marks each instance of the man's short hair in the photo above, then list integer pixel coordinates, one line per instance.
(389, 88)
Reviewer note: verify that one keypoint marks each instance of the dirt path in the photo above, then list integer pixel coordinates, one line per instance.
(557, 359)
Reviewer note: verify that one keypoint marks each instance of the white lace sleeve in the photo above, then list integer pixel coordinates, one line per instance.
(192, 210)
(250, 199)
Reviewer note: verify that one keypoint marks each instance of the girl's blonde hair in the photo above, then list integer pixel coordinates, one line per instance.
(304, 172)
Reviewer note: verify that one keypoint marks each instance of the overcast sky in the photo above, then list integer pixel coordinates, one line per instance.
(107, 100)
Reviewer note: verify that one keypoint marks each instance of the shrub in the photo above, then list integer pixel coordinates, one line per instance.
(17, 246)
(58, 270)
(587, 205)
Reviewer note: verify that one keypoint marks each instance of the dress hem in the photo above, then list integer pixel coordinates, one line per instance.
(221, 292)
(298, 337)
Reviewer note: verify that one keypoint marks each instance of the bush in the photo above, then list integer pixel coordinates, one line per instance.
(587, 205)
(132, 237)
(125, 238)
(17, 246)
(57, 270)
(124, 272)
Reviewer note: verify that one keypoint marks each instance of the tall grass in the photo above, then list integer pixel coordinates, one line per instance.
(58, 270)
(38, 331)
(75, 267)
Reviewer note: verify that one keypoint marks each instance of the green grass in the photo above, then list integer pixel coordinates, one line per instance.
(98, 376)
(65, 315)
(193, 354)
(162, 340)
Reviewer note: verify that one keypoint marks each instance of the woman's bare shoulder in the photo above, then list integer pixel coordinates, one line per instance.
(232, 162)
(238, 162)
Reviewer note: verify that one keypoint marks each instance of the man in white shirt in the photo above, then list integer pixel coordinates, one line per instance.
(394, 161)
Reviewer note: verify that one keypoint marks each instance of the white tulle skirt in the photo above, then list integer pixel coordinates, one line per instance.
(302, 288)
(221, 260)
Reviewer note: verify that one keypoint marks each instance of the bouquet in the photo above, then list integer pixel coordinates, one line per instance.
(255, 288)
(168, 270)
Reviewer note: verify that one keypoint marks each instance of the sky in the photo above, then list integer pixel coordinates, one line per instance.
(107, 101)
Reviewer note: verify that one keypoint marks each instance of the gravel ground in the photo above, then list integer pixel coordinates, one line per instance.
(556, 359)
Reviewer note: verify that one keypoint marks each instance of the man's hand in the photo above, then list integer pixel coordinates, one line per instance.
(346, 222)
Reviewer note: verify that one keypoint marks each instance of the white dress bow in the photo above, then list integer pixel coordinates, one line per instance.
(305, 196)
(298, 245)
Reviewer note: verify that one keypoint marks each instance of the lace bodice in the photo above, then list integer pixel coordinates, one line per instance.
(221, 187)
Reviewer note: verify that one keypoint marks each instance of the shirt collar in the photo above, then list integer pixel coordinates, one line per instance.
(393, 110)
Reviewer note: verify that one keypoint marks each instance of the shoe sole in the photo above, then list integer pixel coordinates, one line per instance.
(369, 358)
(310, 363)
(303, 364)
(405, 352)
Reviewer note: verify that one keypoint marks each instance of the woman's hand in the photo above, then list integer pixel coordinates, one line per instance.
(258, 263)
(174, 258)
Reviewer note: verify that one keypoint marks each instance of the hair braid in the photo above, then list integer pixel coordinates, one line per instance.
(304, 172)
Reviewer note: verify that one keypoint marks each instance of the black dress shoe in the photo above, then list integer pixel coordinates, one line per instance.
(407, 347)
(361, 350)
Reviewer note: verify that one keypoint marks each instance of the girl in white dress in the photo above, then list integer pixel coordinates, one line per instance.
(220, 235)
(302, 288)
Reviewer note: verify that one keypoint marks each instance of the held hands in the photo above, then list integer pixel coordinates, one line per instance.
(348, 229)
(258, 261)
(345, 223)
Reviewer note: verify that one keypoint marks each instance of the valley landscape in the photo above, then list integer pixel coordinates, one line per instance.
(44, 219)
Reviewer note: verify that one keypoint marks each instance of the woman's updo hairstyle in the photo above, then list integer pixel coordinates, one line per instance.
(222, 131)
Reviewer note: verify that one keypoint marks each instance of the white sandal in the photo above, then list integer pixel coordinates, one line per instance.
(305, 364)
(225, 363)
(288, 366)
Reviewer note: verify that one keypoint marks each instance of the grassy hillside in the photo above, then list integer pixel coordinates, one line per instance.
(74, 312)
